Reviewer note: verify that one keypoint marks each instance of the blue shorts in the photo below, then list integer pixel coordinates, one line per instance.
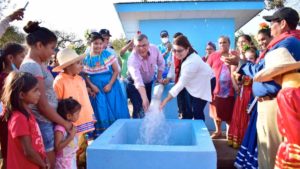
(47, 130)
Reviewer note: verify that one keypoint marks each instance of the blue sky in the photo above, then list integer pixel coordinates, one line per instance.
(77, 16)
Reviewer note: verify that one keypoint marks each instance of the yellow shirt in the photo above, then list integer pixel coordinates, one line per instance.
(66, 86)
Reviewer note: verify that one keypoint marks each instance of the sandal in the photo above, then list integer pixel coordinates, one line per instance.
(216, 135)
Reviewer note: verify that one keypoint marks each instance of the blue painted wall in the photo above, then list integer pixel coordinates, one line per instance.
(198, 31)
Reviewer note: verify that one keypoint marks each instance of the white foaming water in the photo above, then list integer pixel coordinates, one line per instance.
(154, 129)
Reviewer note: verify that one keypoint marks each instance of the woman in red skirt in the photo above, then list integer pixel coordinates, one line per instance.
(240, 117)
(221, 107)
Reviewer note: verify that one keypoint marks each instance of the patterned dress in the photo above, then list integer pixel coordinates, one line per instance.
(224, 100)
(240, 117)
(246, 157)
(66, 158)
(221, 107)
(109, 106)
(288, 120)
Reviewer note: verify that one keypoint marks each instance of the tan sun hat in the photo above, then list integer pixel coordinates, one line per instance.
(277, 62)
(65, 58)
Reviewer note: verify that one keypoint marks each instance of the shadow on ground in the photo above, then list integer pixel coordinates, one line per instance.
(225, 154)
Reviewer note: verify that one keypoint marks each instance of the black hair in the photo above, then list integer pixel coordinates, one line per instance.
(140, 37)
(252, 49)
(247, 37)
(292, 25)
(265, 31)
(10, 48)
(38, 34)
(212, 45)
(226, 38)
(177, 34)
(185, 43)
(15, 83)
(68, 106)
(94, 36)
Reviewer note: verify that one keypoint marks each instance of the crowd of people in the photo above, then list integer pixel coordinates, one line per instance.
(50, 110)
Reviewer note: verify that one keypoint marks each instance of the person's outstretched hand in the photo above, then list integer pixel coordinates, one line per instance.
(166, 81)
(17, 15)
(231, 59)
(145, 104)
(162, 104)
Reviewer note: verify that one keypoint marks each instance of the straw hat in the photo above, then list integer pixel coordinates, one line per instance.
(277, 62)
(65, 58)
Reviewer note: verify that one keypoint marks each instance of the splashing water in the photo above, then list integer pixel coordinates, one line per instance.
(154, 129)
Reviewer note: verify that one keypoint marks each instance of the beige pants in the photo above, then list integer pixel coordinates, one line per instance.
(267, 133)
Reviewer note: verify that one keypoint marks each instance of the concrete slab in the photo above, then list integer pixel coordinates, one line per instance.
(225, 154)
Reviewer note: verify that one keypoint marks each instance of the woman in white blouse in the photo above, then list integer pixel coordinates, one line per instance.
(195, 76)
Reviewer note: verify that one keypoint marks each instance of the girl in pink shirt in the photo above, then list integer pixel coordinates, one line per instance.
(66, 144)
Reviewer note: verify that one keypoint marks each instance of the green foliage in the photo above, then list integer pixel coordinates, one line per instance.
(87, 34)
(12, 34)
(79, 48)
(70, 40)
(271, 4)
(118, 44)
(64, 38)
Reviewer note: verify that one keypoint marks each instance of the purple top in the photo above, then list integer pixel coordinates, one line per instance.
(225, 82)
(142, 70)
